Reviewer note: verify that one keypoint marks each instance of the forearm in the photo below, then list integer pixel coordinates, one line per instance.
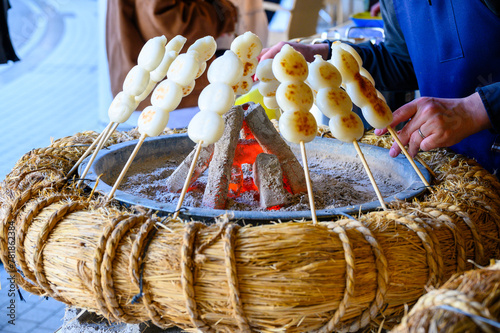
(391, 72)
(490, 96)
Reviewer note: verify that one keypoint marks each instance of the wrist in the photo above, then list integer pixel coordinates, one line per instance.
(475, 105)
(490, 96)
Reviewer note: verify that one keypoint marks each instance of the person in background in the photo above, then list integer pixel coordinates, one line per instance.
(450, 52)
(129, 24)
(251, 17)
(7, 52)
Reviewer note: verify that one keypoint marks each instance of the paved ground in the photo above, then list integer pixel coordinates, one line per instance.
(37, 314)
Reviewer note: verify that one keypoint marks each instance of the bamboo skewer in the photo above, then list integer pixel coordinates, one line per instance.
(370, 175)
(405, 152)
(421, 161)
(308, 182)
(101, 143)
(87, 152)
(113, 129)
(188, 179)
(127, 166)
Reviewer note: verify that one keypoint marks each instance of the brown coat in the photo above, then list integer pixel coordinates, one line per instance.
(130, 23)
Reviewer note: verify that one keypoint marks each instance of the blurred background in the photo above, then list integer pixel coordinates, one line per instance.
(53, 91)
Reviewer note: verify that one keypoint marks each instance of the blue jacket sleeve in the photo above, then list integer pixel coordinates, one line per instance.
(390, 71)
(389, 62)
(490, 95)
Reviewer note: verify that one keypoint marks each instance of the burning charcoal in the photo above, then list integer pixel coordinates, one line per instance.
(236, 182)
(268, 177)
(219, 174)
(176, 180)
(246, 133)
(273, 143)
(247, 151)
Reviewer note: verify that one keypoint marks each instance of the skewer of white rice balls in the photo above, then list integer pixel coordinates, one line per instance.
(247, 47)
(336, 104)
(216, 99)
(363, 93)
(333, 101)
(295, 98)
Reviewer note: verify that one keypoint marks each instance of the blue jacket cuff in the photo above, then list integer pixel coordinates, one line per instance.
(490, 95)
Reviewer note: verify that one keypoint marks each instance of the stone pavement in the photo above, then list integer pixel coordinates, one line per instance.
(36, 314)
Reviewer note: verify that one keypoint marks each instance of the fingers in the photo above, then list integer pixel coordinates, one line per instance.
(414, 141)
(428, 143)
(404, 113)
(307, 50)
(433, 123)
(413, 144)
(409, 135)
(395, 150)
(270, 52)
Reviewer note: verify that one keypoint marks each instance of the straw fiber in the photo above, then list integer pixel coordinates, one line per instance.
(466, 303)
(350, 274)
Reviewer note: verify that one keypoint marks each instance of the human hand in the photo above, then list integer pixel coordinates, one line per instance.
(442, 122)
(375, 9)
(307, 50)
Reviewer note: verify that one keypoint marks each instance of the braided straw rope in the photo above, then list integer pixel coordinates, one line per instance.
(232, 277)
(137, 256)
(187, 278)
(382, 278)
(43, 237)
(23, 225)
(14, 201)
(97, 261)
(340, 275)
(107, 281)
(350, 281)
(457, 300)
(475, 301)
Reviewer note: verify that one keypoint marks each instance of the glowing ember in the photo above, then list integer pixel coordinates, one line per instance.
(242, 154)
(246, 152)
